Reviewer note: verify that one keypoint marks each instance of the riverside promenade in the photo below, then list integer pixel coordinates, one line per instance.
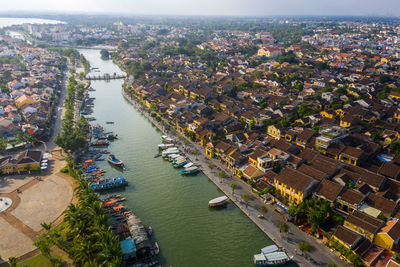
(270, 224)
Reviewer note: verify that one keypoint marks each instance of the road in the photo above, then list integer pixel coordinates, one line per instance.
(59, 110)
(270, 224)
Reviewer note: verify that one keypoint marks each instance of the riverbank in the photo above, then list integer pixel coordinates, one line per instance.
(270, 225)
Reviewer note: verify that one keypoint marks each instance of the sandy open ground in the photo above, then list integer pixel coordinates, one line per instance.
(44, 202)
(13, 243)
(11, 183)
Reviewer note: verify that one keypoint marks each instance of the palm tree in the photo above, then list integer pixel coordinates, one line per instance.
(46, 226)
(233, 186)
(12, 261)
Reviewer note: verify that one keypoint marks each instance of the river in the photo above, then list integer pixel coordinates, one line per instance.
(188, 232)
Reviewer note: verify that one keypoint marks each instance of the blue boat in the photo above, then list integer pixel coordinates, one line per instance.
(111, 136)
(114, 161)
(179, 164)
(190, 170)
(109, 183)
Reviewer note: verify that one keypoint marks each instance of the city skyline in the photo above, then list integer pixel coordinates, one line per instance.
(209, 7)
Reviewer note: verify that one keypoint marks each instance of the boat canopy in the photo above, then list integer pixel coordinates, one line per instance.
(276, 256)
(190, 164)
(269, 249)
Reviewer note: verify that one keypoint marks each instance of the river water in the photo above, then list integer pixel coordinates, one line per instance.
(188, 232)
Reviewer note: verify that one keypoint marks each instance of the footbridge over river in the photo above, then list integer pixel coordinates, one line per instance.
(105, 76)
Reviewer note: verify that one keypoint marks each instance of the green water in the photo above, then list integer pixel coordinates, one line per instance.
(188, 232)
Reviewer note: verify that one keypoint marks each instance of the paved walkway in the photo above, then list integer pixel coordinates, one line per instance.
(270, 224)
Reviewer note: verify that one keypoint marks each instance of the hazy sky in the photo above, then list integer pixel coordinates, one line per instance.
(211, 7)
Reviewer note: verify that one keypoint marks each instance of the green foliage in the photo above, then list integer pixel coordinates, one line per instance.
(304, 111)
(105, 55)
(262, 209)
(283, 228)
(246, 198)
(347, 253)
(250, 182)
(395, 148)
(251, 124)
(12, 261)
(316, 212)
(190, 134)
(72, 138)
(233, 186)
(305, 247)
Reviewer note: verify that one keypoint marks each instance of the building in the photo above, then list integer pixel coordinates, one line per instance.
(25, 161)
(294, 185)
(389, 235)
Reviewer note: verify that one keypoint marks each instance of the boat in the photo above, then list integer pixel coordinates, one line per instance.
(169, 151)
(111, 136)
(172, 157)
(114, 161)
(109, 122)
(167, 139)
(217, 202)
(109, 183)
(190, 170)
(100, 143)
(189, 164)
(156, 248)
(164, 146)
(271, 256)
(157, 155)
(179, 163)
(149, 230)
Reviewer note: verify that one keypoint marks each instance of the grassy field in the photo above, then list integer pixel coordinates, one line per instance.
(36, 261)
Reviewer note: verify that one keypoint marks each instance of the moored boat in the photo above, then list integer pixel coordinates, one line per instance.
(219, 201)
(109, 183)
(100, 143)
(179, 164)
(190, 170)
(114, 161)
(271, 256)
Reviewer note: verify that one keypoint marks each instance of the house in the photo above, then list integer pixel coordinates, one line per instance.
(389, 235)
(353, 156)
(395, 96)
(348, 120)
(28, 160)
(328, 191)
(269, 52)
(252, 173)
(304, 137)
(294, 185)
(363, 224)
(24, 100)
(349, 201)
(347, 237)
(276, 131)
(390, 170)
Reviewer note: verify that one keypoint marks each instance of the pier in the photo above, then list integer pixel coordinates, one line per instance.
(105, 76)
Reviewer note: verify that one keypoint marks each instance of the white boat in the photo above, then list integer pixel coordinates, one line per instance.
(167, 139)
(179, 159)
(164, 146)
(190, 170)
(44, 160)
(190, 164)
(271, 256)
(173, 156)
(169, 151)
(219, 201)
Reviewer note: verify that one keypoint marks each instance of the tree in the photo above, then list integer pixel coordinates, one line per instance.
(283, 228)
(246, 198)
(104, 54)
(251, 124)
(233, 186)
(3, 145)
(330, 264)
(221, 176)
(262, 209)
(12, 261)
(305, 247)
(190, 134)
(46, 226)
(395, 147)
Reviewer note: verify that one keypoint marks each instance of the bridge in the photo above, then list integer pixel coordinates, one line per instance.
(106, 76)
